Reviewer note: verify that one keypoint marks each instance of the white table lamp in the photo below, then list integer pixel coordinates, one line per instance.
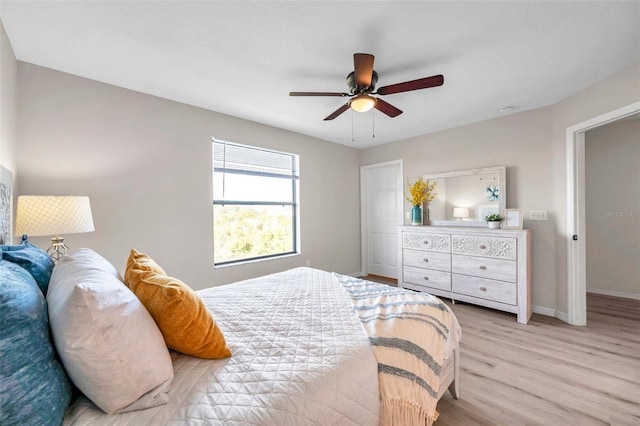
(39, 215)
(460, 212)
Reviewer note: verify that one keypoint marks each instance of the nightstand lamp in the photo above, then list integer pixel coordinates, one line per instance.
(53, 215)
(460, 212)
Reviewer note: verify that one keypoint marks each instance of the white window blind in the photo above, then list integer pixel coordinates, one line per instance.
(233, 158)
(255, 202)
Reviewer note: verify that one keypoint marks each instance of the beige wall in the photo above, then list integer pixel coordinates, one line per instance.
(8, 70)
(612, 175)
(532, 146)
(145, 162)
(8, 73)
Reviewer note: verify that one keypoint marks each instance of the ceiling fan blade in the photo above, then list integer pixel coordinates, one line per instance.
(363, 68)
(318, 94)
(387, 108)
(421, 83)
(337, 112)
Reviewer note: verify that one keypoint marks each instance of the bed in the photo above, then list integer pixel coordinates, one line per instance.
(308, 347)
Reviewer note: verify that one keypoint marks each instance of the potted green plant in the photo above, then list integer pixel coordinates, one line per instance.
(493, 220)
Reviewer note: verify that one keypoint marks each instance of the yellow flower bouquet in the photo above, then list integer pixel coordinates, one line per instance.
(421, 191)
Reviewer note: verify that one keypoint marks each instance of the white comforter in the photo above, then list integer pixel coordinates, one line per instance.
(300, 357)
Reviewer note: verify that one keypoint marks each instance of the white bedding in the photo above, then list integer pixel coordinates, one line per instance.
(300, 357)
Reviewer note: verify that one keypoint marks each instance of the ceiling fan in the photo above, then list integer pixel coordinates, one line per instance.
(362, 83)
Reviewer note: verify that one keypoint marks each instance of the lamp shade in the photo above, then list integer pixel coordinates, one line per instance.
(460, 212)
(53, 215)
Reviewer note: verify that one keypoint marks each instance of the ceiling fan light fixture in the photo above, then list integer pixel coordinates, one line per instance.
(362, 103)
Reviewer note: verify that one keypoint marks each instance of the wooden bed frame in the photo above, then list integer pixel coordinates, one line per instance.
(450, 375)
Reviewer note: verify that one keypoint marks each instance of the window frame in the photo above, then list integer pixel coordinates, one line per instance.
(294, 203)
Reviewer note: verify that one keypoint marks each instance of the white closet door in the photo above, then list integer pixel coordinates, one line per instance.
(382, 207)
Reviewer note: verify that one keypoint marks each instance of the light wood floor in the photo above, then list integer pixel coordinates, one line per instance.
(548, 372)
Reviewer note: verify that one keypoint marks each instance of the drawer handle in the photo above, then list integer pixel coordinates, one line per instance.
(482, 247)
(484, 268)
(425, 242)
(483, 288)
(425, 278)
(425, 259)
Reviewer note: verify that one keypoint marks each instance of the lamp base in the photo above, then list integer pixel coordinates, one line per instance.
(57, 249)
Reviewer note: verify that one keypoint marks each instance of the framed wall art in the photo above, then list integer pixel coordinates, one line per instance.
(512, 219)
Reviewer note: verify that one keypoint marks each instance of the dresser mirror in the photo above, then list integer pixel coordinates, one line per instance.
(466, 197)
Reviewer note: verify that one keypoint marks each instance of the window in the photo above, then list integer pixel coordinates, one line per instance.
(254, 203)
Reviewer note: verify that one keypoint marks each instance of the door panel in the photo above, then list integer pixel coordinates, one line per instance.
(382, 203)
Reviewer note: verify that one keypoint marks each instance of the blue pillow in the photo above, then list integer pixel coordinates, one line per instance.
(33, 259)
(34, 388)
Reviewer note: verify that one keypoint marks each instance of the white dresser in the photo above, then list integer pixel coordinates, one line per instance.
(488, 267)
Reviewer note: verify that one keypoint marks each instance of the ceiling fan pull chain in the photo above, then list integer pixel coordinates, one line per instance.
(373, 124)
(352, 138)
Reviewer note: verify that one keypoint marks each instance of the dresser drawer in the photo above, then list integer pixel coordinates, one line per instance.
(497, 291)
(427, 259)
(427, 277)
(426, 241)
(498, 247)
(484, 267)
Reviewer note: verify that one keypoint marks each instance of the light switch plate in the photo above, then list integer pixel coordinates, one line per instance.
(537, 215)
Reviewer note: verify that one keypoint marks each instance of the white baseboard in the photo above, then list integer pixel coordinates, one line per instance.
(614, 293)
(543, 310)
(562, 316)
(356, 274)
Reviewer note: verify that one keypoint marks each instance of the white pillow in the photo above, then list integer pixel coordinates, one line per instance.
(109, 344)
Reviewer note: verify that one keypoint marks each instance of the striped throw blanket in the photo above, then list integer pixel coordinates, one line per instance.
(411, 334)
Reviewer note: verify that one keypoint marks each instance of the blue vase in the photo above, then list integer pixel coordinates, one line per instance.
(416, 215)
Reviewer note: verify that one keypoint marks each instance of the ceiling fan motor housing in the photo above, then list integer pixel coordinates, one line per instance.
(354, 89)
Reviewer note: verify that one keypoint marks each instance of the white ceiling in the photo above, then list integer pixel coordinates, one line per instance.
(243, 57)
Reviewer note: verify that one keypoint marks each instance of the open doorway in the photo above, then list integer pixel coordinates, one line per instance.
(612, 200)
(576, 209)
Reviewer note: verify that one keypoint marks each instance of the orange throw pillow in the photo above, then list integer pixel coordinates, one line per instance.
(185, 322)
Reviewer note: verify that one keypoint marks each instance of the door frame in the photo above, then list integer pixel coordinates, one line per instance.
(364, 238)
(576, 249)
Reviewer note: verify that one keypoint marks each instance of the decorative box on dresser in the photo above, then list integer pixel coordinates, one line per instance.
(488, 267)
